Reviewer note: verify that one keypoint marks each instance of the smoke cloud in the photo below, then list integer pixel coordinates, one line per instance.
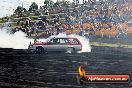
(20, 41)
(15, 41)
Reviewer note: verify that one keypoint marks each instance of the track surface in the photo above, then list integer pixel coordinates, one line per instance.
(20, 69)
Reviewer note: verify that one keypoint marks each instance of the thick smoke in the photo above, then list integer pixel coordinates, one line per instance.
(84, 41)
(15, 41)
(20, 41)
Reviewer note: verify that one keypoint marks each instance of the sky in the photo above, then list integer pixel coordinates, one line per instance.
(7, 7)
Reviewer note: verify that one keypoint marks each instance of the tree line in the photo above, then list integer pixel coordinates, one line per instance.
(47, 4)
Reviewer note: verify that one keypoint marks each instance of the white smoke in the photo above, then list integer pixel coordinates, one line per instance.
(84, 41)
(20, 41)
(15, 41)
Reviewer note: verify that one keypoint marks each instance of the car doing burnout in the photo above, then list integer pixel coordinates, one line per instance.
(68, 45)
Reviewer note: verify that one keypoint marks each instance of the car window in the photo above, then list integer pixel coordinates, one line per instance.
(63, 41)
(73, 41)
(54, 41)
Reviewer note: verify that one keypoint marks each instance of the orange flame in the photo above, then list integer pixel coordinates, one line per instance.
(81, 71)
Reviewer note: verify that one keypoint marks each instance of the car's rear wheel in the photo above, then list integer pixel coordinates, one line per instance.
(39, 50)
(70, 50)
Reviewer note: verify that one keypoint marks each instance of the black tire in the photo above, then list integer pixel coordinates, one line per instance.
(70, 50)
(40, 50)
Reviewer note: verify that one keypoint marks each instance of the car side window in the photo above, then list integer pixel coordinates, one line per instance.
(63, 41)
(54, 41)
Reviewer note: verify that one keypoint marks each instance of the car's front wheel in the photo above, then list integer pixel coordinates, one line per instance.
(70, 50)
(39, 50)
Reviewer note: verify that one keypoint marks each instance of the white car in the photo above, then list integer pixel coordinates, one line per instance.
(68, 45)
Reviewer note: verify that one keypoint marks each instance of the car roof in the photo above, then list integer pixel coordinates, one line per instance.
(64, 38)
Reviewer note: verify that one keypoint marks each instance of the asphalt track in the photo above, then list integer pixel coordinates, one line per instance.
(21, 69)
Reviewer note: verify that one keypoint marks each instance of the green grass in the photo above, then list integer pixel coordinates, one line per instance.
(45, 15)
(36, 20)
(60, 13)
(50, 19)
(62, 18)
(54, 14)
(12, 22)
(15, 26)
(110, 45)
(33, 17)
(50, 26)
(16, 18)
(1, 23)
(5, 20)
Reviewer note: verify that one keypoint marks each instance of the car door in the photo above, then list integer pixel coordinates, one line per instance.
(53, 45)
(63, 44)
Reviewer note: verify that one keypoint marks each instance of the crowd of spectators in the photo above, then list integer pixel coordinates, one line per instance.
(102, 18)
